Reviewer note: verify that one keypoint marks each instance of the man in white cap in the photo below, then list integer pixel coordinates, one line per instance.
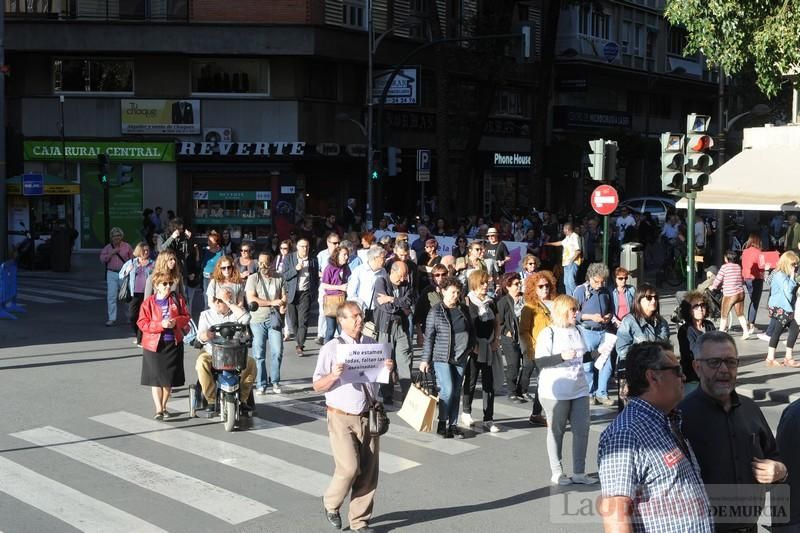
(496, 255)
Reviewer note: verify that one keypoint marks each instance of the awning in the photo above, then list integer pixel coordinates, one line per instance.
(757, 179)
(52, 185)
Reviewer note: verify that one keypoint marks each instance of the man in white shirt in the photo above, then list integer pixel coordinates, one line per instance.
(223, 310)
(361, 287)
(624, 222)
(570, 256)
(322, 260)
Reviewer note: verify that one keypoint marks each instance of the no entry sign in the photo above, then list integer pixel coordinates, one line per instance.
(604, 200)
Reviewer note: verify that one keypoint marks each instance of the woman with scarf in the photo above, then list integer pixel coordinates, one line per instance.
(540, 290)
(483, 313)
(509, 308)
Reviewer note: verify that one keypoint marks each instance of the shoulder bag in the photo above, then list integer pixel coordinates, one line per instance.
(275, 317)
(124, 294)
(378, 421)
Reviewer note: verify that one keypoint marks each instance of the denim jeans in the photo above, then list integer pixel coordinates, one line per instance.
(331, 327)
(449, 378)
(263, 334)
(597, 387)
(754, 289)
(570, 271)
(112, 292)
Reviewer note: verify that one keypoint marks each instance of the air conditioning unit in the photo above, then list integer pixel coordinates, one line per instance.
(217, 135)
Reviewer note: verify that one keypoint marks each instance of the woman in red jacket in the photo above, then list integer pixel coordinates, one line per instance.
(163, 318)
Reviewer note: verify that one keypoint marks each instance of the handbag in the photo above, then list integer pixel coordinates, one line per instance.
(782, 317)
(124, 294)
(419, 407)
(275, 319)
(378, 421)
(331, 303)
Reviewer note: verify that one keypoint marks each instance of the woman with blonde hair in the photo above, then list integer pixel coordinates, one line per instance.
(539, 291)
(530, 264)
(166, 261)
(139, 268)
(113, 256)
(225, 276)
(563, 390)
(781, 308)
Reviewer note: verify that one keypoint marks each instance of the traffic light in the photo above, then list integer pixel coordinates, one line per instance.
(394, 160)
(597, 159)
(610, 165)
(103, 169)
(698, 144)
(672, 162)
(376, 168)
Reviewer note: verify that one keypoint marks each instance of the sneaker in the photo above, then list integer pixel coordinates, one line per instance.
(560, 479)
(515, 399)
(748, 337)
(492, 427)
(538, 421)
(583, 479)
(159, 416)
(529, 396)
(603, 400)
(109, 323)
(276, 388)
(763, 336)
(467, 420)
(261, 391)
(135, 342)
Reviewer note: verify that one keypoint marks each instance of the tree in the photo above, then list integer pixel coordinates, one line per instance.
(736, 33)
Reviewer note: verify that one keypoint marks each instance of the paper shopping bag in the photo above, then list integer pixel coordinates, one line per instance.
(419, 409)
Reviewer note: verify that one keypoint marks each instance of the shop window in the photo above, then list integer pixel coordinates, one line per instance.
(93, 75)
(241, 212)
(222, 76)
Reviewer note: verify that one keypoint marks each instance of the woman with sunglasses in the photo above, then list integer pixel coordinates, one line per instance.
(781, 308)
(540, 290)
(564, 391)
(530, 264)
(622, 296)
(694, 312)
(162, 319)
(246, 262)
(509, 309)
(461, 249)
(139, 268)
(225, 276)
(644, 323)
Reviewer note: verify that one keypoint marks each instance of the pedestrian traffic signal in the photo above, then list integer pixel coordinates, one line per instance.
(394, 160)
(672, 178)
(103, 169)
(376, 169)
(698, 144)
(597, 154)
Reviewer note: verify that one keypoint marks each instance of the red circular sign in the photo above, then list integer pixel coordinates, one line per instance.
(604, 200)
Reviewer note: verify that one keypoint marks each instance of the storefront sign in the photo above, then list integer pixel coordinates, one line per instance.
(89, 150)
(578, 117)
(167, 117)
(410, 120)
(32, 185)
(403, 89)
(232, 195)
(511, 160)
(236, 149)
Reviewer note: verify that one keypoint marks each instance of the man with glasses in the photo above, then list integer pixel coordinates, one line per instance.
(301, 274)
(731, 439)
(332, 241)
(649, 478)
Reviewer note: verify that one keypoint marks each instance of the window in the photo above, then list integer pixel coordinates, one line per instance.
(676, 43)
(93, 75)
(353, 14)
(418, 6)
(652, 37)
(594, 23)
(240, 76)
(510, 102)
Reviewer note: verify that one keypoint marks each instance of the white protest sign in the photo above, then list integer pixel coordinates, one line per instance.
(363, 363)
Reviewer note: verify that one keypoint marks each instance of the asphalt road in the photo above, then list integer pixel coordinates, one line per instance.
(80, 451)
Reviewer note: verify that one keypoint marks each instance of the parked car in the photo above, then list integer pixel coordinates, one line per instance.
(657, 206)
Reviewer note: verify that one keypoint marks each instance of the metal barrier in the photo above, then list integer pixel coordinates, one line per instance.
(8, 291)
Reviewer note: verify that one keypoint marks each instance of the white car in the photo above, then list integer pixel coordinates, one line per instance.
(655, 205)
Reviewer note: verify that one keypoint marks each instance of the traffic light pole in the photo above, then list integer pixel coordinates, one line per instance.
(106, 214)
(690, 264)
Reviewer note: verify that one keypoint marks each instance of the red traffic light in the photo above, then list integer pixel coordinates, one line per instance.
(700, 143)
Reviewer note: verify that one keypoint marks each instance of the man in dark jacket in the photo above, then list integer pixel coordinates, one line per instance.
(395, 303)
(301, 274)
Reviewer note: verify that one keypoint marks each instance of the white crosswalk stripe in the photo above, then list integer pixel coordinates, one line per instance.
(67, 504)
(271, 468)
(74, 295)
(54, 291)
(23, 296)
(205, 497)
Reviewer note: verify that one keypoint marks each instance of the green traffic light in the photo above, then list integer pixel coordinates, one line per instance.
(374, 175)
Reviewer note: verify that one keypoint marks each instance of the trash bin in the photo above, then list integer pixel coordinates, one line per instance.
(60, 249)
(631, 258)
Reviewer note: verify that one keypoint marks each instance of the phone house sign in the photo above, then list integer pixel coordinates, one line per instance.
(511, 160)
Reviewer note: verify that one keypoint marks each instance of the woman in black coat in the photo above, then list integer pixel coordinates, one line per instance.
(509, 308)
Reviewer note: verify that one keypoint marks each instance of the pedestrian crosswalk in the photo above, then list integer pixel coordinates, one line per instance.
(189, 441)
(41, 290)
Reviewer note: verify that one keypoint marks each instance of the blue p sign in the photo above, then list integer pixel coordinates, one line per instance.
(423, 159)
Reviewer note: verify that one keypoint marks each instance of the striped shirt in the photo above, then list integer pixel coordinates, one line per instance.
(642, 456)
(730, 277)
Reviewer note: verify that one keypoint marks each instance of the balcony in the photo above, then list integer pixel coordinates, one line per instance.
(102, 10)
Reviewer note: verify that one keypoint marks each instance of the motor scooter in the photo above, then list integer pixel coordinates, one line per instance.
(228, 350)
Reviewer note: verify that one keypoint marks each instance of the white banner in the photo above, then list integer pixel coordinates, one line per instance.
(363, 363)
(516, 250)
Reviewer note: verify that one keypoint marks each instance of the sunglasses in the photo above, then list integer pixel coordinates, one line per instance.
(284, 248)
(439, 275)
(677, 370)
(228, 267)
(650, 297)
(623, 278)
(164, 284)
(699, 306)
(246, 250)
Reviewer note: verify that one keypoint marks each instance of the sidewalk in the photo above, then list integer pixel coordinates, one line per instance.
(85, 266)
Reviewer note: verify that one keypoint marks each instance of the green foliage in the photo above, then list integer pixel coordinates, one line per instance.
(737, 33)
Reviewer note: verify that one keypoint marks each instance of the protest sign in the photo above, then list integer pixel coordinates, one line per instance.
(363, 363)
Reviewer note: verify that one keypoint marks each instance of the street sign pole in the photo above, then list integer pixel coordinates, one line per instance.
(691, 196)
(605, 239)
(422, 199)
